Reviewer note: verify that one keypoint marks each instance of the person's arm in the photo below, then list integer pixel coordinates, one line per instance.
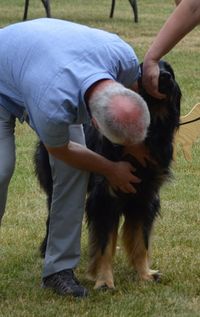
(119, 174)
(184, 18)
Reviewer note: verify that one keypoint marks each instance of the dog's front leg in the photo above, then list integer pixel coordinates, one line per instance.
(100, 266)
(138, 254)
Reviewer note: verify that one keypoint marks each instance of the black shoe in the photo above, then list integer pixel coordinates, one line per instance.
(65, 283)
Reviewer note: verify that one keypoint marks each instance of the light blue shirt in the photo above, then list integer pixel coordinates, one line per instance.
(47, 65)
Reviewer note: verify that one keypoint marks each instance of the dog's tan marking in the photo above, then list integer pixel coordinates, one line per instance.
(100, 266)
(137, 253)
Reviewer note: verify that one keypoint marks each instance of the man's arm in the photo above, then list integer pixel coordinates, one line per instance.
(119, 174)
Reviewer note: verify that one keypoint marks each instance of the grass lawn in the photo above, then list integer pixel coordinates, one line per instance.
(175, 251)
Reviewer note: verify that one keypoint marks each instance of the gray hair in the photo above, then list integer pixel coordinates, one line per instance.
(117, 130)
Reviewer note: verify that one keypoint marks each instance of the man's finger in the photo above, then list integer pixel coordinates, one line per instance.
(128, 189)
(135, 179)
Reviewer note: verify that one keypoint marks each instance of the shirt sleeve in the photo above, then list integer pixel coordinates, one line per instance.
(129, 68)
(52, 132)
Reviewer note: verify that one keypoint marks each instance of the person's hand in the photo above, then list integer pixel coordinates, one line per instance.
(121, 177)
(150, 78)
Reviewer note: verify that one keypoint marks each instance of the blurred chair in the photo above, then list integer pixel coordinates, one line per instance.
(133, 4)
(46, 4)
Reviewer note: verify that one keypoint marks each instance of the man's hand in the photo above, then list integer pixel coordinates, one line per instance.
(119, 174)
(121, 177)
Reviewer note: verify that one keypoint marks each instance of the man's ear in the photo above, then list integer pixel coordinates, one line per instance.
(135, 87)
(95, 124)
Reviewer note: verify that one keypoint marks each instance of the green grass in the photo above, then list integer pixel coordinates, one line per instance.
(176, 237)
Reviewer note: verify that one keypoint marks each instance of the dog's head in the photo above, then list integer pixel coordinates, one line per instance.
(165, 114)
(170, 106)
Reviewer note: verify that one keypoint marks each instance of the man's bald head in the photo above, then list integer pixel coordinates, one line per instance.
(121, 114)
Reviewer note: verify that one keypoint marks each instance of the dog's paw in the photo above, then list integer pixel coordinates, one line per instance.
(103, 280)
(151, 275)
(156, 275)
(104, 284)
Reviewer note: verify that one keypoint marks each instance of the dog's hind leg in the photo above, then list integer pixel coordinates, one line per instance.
(138, 253)
(100, 266)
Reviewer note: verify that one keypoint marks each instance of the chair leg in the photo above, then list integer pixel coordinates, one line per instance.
(112, 8)
(46, 4)
(134, 6)
(25, 10)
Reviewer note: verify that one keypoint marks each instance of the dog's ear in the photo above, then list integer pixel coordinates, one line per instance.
(166, 83)
(165, 66)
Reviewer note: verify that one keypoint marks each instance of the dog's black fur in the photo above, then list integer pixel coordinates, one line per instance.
(105, 207)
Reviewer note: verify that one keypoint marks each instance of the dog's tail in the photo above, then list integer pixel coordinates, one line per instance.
(42, 168)
(44, 176)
